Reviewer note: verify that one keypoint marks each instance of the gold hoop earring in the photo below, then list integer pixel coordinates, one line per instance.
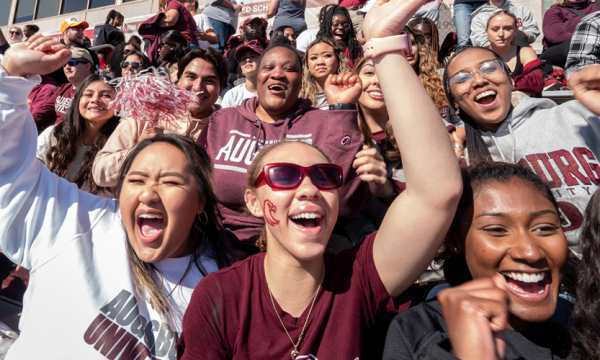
(200, 219)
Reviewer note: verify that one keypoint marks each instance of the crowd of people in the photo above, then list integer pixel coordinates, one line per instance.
(354, 191)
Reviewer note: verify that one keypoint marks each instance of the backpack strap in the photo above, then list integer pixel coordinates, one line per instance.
(577, 12)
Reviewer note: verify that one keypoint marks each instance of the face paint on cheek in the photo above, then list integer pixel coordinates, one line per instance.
(269, 209)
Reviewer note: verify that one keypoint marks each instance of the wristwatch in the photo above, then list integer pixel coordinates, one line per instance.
(376, 47)
(342, 107)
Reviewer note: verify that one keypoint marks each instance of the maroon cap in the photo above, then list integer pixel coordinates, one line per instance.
(249, 20)
(253, 45)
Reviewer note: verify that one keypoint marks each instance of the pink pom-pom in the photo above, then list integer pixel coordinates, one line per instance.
(150, 97)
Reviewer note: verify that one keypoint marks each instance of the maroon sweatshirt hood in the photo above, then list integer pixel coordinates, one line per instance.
(234, 136)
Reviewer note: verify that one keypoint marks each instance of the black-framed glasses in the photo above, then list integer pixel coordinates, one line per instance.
(344, 25)
(134, 64)
(490, 70)
(74, 62)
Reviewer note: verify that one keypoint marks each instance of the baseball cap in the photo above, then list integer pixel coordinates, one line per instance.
(72, 22)
(249, 20)
(253, 45)
(81, 53)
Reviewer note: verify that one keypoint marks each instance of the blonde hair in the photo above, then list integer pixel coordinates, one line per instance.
(309, 84)
(507, 13)
(562, 2)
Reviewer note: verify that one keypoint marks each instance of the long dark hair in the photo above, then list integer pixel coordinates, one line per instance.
(353, 46)
(478, 150)
(585, 329)
(455, 264)
(145, 61)
(213, 241)
(117, 57)
(177, 39)
(113, 14)
(68, 135)
(435, 41)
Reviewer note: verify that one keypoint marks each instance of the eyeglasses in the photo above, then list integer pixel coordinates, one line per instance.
(134, 64)
(344, 25)
(284, 176)
(74, 62)
(254, 25)
(489, 70)
(14, 32)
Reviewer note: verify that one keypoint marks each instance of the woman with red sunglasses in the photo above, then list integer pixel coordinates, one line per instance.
(296, 300)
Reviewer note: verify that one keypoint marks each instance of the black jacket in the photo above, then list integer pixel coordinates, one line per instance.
(421, 333)
(108, 34)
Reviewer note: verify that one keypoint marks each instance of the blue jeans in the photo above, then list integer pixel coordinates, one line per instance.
(223, 31)
(462, 22)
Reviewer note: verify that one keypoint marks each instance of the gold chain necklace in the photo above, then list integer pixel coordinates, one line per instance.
(295, 351)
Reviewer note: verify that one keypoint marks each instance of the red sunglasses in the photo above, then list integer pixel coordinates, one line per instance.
(284, 176)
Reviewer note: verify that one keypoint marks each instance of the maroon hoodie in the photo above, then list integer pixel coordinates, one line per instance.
(560, 23)
(41, 93)
(230, 138)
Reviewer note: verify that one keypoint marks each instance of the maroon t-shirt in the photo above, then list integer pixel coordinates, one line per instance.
(186, 23)
(231, 316)
(53, 111)
(380, 138)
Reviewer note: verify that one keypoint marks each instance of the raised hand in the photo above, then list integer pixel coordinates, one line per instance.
(342, 88)
(370, 166)
(476, 315)
(586, 87)
(39, 55)
(388, 17)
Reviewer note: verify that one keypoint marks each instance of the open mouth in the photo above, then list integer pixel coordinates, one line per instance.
(377, 95)
(338, 35)
(528, 286)
(150, 226)
(277, 88)
(486, 98)
(307, 222)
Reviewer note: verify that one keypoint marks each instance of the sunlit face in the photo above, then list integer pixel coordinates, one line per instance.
(340, 27)
(515, 231)
(290, 35)
(93, 104)
(413, 57)
(15, 34)
(486, 101)
(372, 96)
(75, 35)
(201, 78)
(305, 239)
(278, 81)
(159, 201)
(166, 50)
(130, 70)
(501, 30)
(322, 61)
(76, 74)
(249, 63)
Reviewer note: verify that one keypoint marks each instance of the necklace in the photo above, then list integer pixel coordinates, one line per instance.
(295, 345)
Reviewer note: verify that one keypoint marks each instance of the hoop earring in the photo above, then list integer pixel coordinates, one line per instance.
(200, 219)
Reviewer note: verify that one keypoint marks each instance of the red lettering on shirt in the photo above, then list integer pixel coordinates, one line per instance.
(554, 180)
(592, 170)
(570, 168)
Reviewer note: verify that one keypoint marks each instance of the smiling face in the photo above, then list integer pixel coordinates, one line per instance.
(515, 231)
(501, 30)
(339, 28)
(322, 61)
(486, 101)
(372, 96)
(166, 51)
(200, 77)
(159, 201)
(249, 63)
(278, 81)
(74, 35)
(76, 74)
(93, 105)
(299, 221)
(413, 57)
(130, 70)
(15, 34)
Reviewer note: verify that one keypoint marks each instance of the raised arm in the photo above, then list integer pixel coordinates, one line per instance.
(417, 221)
(40, 212)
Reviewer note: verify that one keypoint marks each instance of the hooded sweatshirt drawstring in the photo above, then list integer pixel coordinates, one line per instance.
(260, 126)
(285, 127)
(514, 142)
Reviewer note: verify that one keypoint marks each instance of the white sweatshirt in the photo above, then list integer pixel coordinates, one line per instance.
(79, 303)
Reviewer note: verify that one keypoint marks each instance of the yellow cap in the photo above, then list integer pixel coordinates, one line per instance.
(72, 22)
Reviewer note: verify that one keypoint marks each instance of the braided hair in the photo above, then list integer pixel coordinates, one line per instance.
(435, 41)
(353, 46)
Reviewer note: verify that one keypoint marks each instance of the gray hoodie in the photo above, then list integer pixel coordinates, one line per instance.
(559, 143)
(525, 21)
